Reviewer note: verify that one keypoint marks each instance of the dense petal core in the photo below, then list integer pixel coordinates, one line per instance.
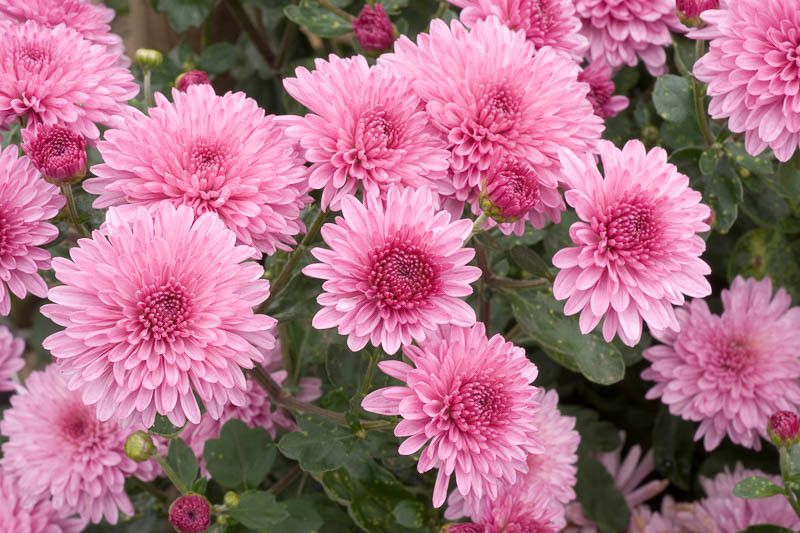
(55, 151)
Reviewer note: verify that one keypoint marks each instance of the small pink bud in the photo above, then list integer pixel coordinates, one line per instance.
(510, 191)
(190, 513)
(193, 77)
(689, 10)
(373, 29)
(58, 153)
(783, 428)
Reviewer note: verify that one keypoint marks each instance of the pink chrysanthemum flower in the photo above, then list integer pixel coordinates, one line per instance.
(521, 510)
(57, 447)
(20, 516)
(753, 73)
(217, 154)
(158, 309)
(673, 518)
(367, 127)
(491, 91)
(55, 76)
(11, 360)
(470, 399)
(623, 31)
(638, 252)
(58, 153)
(544, 22)
(598, 76)
(730, 372)
(393, 272)
(26, 202)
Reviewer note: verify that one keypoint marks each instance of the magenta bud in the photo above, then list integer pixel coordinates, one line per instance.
(510, 191)
(689, 10)
(373, 29)
(193, 77)
(190, 513)
(57, 152)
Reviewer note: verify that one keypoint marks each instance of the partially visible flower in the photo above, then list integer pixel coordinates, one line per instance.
(57, 152)
(673, 518)
(783, 428)
(638, 250)
(373, 29)
(730, 372)
(598, 75)
(11, 360)
(521, 510)
(39, 516)
(464, 527)
(193, 77)
(469, 402)
(190, 513)
(26, 203)
(393, 272)
(367, 127)
(689, 10)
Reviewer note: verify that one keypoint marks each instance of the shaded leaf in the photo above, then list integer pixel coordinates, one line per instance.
(600, 500)
(530, 262)
(317, 19)
(765, 252)
(241, 456)
(182, 14)
(672, 97)
(258, 510)
(303, 518)
(163, 427)
(596, 435)
(217, 58)
(673, 447)
(756, 487)
(182, 460)
(766, 528)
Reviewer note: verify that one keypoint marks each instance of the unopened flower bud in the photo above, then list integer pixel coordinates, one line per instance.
(689, 10)
(148, 58)
(783, 428)
(373, 29)
(463, 527)
(139, 446)
(231, 500)
(510, 191)
(58, 153)
(193, 77)
(744, 173)
(190, 513)
(710, 218)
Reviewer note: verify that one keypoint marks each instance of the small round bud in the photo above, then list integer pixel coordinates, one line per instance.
(688, 11)
(190, 513)
(231, 500)
(650, 135)
(139, 446)
(510, 191)
(743, 172)
(373, 29)
(783, 429)
(148, 58)
(57, 152)
(193, 77)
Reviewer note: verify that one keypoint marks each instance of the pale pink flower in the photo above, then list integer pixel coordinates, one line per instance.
(393, 272)
(753, 73)
(598, 75)
(673, 518)
(490, 91)
(26, 202)
(217, 154)
(55, 76)
(57, 447)
(56, 152)
(11, 360)
(638, 250)
(469, 402)
(158, 308)
(730, 372)
(366, 127)
(521, 510)
(20, 516)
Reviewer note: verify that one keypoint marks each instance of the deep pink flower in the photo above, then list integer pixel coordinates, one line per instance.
(156, 311)
(373, 29)
(11, 360)
(753, 73)
(20, 516)
(212, 153)
(393, 272)
(465, 527)
(598, 76)
(638, 252)
(491, 91)
(58, 153)
(470, 400)
(783, 428)
(57, 447)
(55, 76)
(367, 127)
(730, 372)
(190, 513)
(521, 510)
(691, 9)
(193, 77)
(26, 202)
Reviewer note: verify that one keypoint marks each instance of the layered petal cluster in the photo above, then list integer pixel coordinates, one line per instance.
(637, 250)
(26, 202)
(520, 510)
(491, 91)
(598, 75)
(11, 360)
(753, 72)
(730, 372)
(58, 153)
(37, 516)
(468, 403)
(217, 154)
(395, 271)
(55, 76)
(58, 448)
(674, 517)
(157, 309)
(367, 127)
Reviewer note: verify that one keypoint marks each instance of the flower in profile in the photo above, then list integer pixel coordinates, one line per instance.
(55, 76)
(58, 153)
(598, 75)
(158, 311)
(783, 428)
(20, 515)
(638, 252)
(193, 77)
(57, 447)
(753, 73)
(190, 513)
(11, 360)
(471, 401)
(373, 29)
(545, 22)
(26, 203)
(393, 272)
(217, 154)
(491, 91)
(367, 126)
(689, 10)
(730, 372)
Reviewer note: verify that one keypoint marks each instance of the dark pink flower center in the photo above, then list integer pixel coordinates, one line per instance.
(730, 355)
(402, 275)
(375, 129)
(498, 109)
(513, 188)
(57, 152)
(31, 56)
(164, 310)
(207, 158)
(477, 406)
(628, 229)
(190, 514)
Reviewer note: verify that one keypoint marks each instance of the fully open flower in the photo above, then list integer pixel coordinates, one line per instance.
(58, 153)
(20, 515)
(11, 360)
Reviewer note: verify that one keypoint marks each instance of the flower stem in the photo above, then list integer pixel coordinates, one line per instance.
(72, 211)
(684, 71)
(476, 227)
(148, 91)
(286, 481)
(699, 94)
(171, 474)
(333, 9)
(787, 470)
(374, 354)
(239, 15)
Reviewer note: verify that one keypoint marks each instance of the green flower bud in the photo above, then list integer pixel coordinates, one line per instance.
(139, 446)
(148, 58)
(231, 500)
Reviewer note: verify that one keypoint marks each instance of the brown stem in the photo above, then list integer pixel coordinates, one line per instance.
(243, 21)
(286, 481)
(502, 283)
(333, 9)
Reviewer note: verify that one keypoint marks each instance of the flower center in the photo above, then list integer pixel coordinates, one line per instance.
(164, 310)
(628, 229)
(207, 158)
(59, 147)
(375, 129)
(788, 43)
(498, 109)
(514, 189)
(31, 56)
(731, 356)
(477, 406)
(402, 275)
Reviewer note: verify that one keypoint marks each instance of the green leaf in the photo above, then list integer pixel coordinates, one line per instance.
(409, 513)
(601, 501)
(164, 428)
(182, 14)
(596, 435)
(530, 262)
(672, 97)
(241, 456)
(766, 528)
(258, 510)
(317, 19)
(673, 447)
(217, 58)
(765, 252)
(722, 191)
(763, 163)
(303, 518)
(756, 487)
(182, 460)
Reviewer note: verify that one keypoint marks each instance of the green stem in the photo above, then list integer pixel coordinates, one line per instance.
(787, 470)
(286, 356)
(289, 34)
(684, 71)
(72, 211)
(333, 9)
(171, 474)
(513, 333)
(374, 354)
(148, 92)
(476, 227)
(699, 94)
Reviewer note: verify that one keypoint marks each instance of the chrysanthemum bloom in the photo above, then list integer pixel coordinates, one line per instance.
(674, 517)
(156, 311)
(730, 372)
(58, 153)
(470, 399)
(190, 513)
(55, 76)
(598, 76)
(783, 428)
(521, 510)
(753, 73)
(367, 127)
(393, 272)
(489, 90)
(544, 22)
(11, 360)
(20, 516)
(373, 29)
(56, 446)
(193, 77)
(26, 202)
(623, 31)
(638, 252)
(217, 154)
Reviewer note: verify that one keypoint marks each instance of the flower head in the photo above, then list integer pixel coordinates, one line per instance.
(217, 154)
(157, 309)
(598, 76)
(470, 400)
(638, 252)
(753, 72)
(730, 372)
(393, 272)
(373, 29)
(518, 509)
(58, 153)
(190, 513)
(783, 428)
(367, 127)
(11, 360)
(26, 202)
(193, 77)
(39, 516)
